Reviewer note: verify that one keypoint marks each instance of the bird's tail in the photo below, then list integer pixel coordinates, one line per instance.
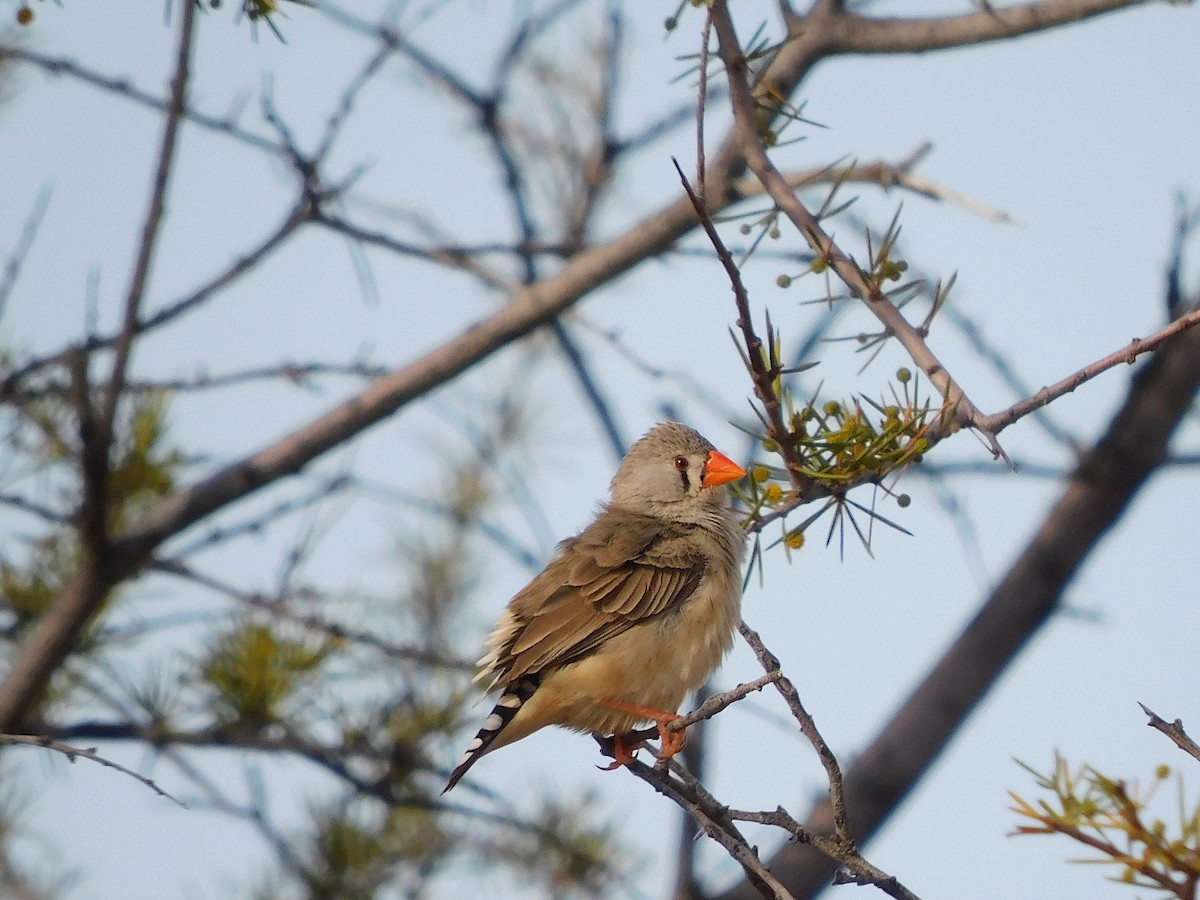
(502, 713)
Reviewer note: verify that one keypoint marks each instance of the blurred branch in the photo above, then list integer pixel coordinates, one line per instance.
(885, 175)
(152, 228)
(280, 609)
(16, 259)
(121, 87)
(10, 385)
(56, 631)
(73, 753)
(24, 504)
(848, 33)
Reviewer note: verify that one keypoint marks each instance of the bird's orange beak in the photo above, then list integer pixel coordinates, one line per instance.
(720, 469)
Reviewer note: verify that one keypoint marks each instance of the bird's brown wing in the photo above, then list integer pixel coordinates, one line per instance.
(622, 570)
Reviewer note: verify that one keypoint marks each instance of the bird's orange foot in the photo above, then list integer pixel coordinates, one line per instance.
(625, 748)
(670, 740)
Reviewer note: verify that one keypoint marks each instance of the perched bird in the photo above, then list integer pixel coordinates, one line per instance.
(631, 614)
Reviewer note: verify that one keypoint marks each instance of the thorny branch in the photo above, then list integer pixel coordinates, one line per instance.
(1173, 730)
(749, 93)
(860, 284)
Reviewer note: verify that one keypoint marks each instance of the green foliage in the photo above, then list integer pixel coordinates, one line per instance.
(143, 466)
(254, 672)
(268, 11)
(838, 445)
(30, 587)
(354, 854)
(1107, 815)
(571, 852)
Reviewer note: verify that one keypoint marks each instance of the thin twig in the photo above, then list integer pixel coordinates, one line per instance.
(12, 269)
(715, 822)
(1173, 730)
(123, 88)
(152, 228)
(808, 727)
(997, 422)
(761, 371)
(717, 702)
(72, 753)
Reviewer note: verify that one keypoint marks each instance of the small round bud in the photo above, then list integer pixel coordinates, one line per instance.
(903, 500)
(670, 23)
(759, 474)
(832, 408)
(794, 540)
(903, 375)
(818, 265)
(1163, 771)
(773, 493)
(784, 281)
(24, 15)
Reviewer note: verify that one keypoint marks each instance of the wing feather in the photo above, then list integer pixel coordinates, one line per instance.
(622, 570)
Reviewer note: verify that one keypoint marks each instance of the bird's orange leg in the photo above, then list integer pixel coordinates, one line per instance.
(670, 741)
(625, 748)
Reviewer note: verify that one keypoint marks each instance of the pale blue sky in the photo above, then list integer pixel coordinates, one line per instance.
(1085, 135)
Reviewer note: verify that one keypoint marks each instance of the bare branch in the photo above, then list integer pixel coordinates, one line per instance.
(863, 34)
(997, 422)
(715, 822)
(717, 702)
(241, 266)
(12, 269)
(761, 363)
(72, 753)
(886, 175)
(122, 88)
(152, 228)
(808, 727)
(1173, 730)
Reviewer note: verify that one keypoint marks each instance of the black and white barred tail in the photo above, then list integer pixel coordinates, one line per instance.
(502, 713)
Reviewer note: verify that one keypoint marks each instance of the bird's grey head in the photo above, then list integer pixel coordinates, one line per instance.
(675, 473)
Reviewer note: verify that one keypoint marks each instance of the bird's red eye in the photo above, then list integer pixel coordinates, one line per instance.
(681, 463)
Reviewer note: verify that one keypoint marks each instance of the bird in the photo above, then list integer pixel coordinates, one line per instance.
(629, 615)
